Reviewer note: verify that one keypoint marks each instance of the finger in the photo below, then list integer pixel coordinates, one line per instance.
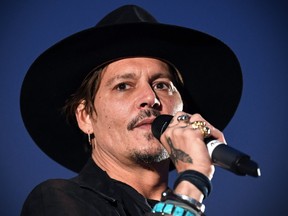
(180, 118)
(200, 125)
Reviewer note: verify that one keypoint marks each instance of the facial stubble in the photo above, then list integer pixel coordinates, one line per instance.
(150, 155)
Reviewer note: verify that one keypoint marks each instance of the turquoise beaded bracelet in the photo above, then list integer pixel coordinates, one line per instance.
(171, 209)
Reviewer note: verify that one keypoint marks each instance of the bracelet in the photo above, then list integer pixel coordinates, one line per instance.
(199, 206)
(196, 178)
(172, 209)
(189, 202)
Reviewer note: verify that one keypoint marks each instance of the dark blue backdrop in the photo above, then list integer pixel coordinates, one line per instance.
(255, 30)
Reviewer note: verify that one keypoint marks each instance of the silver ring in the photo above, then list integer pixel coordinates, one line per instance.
(185, 118)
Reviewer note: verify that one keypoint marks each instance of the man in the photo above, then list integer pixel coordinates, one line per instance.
(114, 79)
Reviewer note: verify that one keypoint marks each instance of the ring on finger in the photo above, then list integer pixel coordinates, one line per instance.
(206, 132)
(197, 124)
(185, 118)
(201, 125)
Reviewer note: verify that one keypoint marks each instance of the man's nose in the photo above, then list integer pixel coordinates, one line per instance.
(148, 98)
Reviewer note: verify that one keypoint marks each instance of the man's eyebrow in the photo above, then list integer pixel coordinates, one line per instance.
(161, 75)
(122, 76)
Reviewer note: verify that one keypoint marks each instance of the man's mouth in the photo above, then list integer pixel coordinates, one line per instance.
(145, 123)
(144, 119)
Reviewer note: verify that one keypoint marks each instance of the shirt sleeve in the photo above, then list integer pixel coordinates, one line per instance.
(53, 197)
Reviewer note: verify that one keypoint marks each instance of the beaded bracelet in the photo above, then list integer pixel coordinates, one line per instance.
(178, 205)
(164, 208)
(196, 178)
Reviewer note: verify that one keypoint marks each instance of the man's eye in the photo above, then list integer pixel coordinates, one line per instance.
(122, 86)
(162, 86)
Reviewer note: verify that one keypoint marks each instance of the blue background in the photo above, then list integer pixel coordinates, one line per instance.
(256, 30)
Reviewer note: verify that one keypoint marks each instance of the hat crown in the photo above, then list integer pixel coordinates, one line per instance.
(127, 14)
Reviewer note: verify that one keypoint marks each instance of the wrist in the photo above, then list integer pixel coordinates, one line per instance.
(188, 189)
(205, 170)
(197, 179)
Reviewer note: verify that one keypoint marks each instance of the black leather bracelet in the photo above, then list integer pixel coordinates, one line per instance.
(196, 178)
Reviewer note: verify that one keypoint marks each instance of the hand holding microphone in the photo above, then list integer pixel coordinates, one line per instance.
(220, 153)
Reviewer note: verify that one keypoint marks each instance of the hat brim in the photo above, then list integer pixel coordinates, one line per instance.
(210, 70)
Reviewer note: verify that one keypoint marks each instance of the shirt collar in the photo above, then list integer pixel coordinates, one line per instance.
(94, 178)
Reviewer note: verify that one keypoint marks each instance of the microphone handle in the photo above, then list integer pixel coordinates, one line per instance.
(231, 159)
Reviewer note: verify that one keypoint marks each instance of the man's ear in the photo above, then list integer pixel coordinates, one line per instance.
(83, 118)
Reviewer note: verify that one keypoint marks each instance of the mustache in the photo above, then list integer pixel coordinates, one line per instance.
(142, 115)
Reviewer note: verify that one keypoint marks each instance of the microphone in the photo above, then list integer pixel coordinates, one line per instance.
(221, 154)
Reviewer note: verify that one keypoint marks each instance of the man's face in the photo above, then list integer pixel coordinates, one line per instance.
(131, 94)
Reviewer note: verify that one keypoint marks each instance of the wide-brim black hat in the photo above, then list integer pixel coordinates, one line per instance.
(210, 70)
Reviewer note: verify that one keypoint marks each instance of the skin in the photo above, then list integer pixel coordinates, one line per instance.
(131, 93)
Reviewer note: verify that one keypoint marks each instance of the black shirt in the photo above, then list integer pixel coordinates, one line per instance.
(92, 192)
